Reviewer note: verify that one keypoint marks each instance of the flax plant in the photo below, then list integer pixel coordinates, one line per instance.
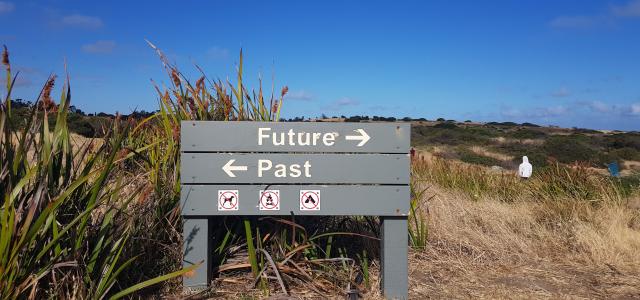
(206, 100)
(62, 227)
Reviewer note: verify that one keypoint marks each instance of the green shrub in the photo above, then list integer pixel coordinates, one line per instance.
(626, 153)
(570, 149)
(471, 157)
(526, 133)
(450, 134)
(446, 125)
(623, 140)
(537, 159)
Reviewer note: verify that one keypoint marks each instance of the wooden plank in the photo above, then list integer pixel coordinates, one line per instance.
(270, 168)
(203, 200)
(316, 137)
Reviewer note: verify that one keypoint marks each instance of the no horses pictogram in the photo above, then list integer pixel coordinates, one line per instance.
(270, 200)
(228, 200)
(309, 199)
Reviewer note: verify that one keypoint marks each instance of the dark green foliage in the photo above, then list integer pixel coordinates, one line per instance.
(504, 124)
(623, 140)
(446, 125)
(473, 158)
(526, 133)
(450, 134)
(570, 149)
(536, 154)
(584, 130)
(626, 153)
(629, 184)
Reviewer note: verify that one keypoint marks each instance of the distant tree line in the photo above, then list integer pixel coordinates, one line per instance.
(80, 122)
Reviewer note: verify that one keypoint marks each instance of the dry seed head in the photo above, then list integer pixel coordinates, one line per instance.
(5, 57)
(285, 89)
(274, 108)
(227, 104)
(47, 103)
(191, 103)
(176, 133)
(175, 77)
(200, 84)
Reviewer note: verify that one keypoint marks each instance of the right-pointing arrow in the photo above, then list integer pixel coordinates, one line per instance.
(363, 137)
(228, 168)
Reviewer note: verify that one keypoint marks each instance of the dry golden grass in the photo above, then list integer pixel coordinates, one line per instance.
(493, 249)
(503, 140)
(631, 165)
(485, 152)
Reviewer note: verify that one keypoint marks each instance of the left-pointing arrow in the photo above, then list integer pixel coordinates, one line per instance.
(228, 168)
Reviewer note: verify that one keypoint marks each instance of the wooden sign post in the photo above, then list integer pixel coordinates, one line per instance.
(320, 169)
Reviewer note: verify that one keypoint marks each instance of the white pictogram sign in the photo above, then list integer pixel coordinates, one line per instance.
(269, 200)
(309, 199)
(228, 200)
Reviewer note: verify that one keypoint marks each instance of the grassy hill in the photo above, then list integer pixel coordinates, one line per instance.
(503, 144)
(488, 144)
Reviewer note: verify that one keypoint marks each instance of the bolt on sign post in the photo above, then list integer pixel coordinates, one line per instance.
(299, 168)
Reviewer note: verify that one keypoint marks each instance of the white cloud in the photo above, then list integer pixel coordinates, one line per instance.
(631, 9)
(573, 22)
(216, 52)
(100, 47)
(561, 92)
(610, 110)
(537, 112)
(599, 106)
(6, 7)
(342, 103)
(301, 95)
(635, 109)
(555, 111)
(346, 101)
(82, 21)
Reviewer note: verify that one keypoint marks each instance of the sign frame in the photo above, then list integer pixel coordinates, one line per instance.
(356, 168)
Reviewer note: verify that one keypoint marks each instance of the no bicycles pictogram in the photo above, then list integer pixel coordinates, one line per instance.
(270, 200)
(309, 199)
(228, 199)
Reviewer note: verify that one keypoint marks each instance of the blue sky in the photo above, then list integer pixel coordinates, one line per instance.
(567, 63)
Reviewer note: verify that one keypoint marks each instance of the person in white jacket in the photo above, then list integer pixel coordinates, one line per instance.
(525, 169)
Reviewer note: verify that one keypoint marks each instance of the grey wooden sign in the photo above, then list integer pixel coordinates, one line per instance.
(322, 137)
(228, 168)
(268, 168)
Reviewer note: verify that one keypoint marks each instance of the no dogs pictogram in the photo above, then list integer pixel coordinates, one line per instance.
(270, 200)
(309, 199)
(228, 200)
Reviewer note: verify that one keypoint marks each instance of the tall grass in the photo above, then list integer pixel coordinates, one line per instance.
(100, 218)
(63, 224)
(418, 228)
(557, 181)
